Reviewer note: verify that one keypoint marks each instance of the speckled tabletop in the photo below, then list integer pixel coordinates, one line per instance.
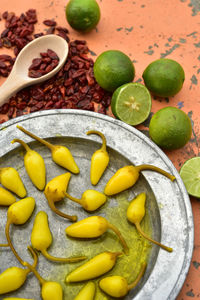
(146, 30)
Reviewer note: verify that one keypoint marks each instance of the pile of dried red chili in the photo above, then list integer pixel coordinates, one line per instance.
(73, 86)
(43, 64)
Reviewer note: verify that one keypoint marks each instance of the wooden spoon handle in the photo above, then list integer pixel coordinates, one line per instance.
(11, 86)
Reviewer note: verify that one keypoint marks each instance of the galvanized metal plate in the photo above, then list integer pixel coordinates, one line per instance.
(170, 209)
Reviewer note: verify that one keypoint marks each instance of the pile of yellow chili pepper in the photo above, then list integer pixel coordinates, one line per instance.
(19, 212)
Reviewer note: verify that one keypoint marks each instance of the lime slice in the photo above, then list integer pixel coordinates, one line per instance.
(190, 174)
(131, 103)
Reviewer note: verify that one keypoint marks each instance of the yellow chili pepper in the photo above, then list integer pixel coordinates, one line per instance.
(93, 227)
(99, 160)
(127, 176)
(14, 277)
(135, 214)
(41, 239)
(10, 179)
(14, 298)
(60, 154)
(50, 290)
(117, 286)
(87, 292)
(90, 200)
(55, 191)
(34, 164)
(18, 214)
(95, 267)
(6, 198)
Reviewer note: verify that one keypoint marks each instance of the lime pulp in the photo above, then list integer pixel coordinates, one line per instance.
(131, 103)
(190, 174)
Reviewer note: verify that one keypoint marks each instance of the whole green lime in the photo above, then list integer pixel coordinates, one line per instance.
(164, 77)
(83, 15)
(113, 68)
(170, 128)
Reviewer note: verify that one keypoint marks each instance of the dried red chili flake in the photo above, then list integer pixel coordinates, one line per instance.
(5, 15)
(74, 86)
(35, 64)
(24, 32)
(78, 73)
(5, 57)
(52, 54)
(63, 35)
(4, 33)
(6, 43)
(31, 16)
(4, 73)
(59, 28)
(10, 112)
(38, 35)
(49, 23)
(43, 66)
(4, 108)
(46, 60)
(2, 65)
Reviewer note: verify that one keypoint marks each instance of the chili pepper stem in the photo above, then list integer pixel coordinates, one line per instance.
(37, 275)
(141, 273)
(151, 240)
(35, 257)
(122, 240)
(118, 254)
(153, 168)
(103, 147)
(49, 145)
(4, 245)
(73, 198)
(26, 147)
(59, 259)
(58, 212)
(7, 228)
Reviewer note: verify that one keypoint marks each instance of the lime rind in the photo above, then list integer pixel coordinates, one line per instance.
(190, 174)
(132, 103)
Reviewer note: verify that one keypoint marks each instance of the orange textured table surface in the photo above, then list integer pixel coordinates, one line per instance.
(145, 30)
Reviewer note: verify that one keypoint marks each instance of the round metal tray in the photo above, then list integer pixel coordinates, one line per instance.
(170, 209)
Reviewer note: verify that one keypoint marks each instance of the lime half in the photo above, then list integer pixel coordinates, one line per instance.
(131, 103)
(190, 174)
